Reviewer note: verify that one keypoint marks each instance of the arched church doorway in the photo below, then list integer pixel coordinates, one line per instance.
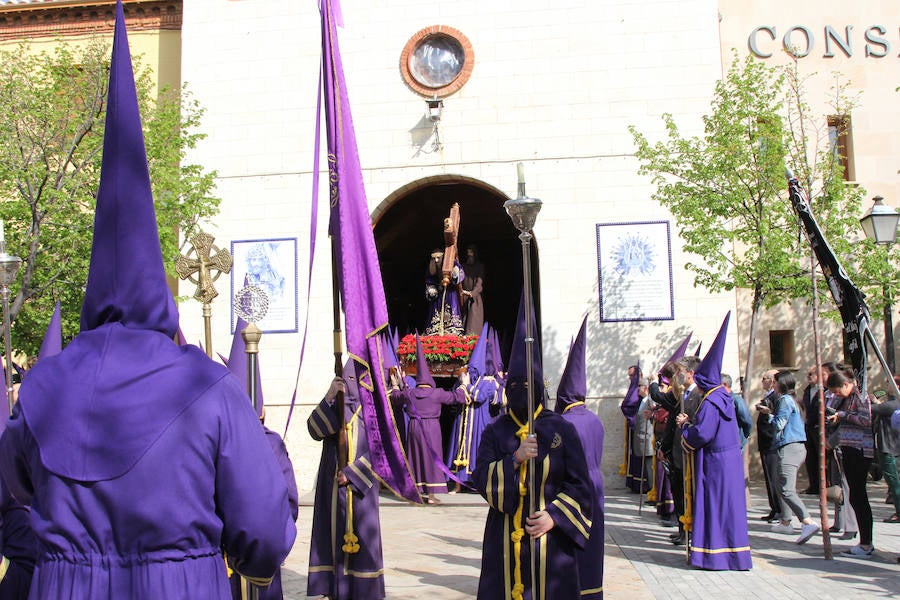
(409, 225)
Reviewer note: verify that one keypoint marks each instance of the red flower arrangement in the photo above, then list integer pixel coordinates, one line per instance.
(438, 348)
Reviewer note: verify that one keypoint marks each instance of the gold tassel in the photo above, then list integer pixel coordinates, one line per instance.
(351, 542)
(518, 588)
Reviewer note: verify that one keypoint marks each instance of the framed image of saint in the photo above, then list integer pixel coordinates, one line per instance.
(270, 264)
(634, 265)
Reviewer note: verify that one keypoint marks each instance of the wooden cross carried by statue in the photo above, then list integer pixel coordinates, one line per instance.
(451, 236)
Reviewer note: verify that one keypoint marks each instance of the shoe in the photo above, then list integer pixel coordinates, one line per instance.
(676, 535)
(894, 518)
(834, 529)
(859, 552)
(811, 492)
(848, 535)
(783, 528)
(678, 541)
(768, 517)
(773, 520)
(807, 530)
(668, 523)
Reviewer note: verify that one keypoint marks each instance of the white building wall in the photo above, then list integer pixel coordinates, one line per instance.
(555, 85)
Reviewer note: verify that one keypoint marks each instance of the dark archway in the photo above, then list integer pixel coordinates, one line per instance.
(408, 225)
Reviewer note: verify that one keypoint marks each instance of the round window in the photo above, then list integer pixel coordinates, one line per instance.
(437, 61)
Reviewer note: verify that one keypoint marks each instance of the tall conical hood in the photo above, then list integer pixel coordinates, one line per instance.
(52, 343)
(238, 364)
(423, 375)
(127, 281)
(491, 353)
(708, 373)
(495, 350)
(516, 390)
(478, 358)
(680, 350)
(573, 382)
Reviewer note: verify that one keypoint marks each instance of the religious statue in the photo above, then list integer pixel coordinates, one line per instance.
(445, 311)
(472, 292)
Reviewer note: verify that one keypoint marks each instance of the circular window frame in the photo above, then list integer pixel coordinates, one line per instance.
(458, 82)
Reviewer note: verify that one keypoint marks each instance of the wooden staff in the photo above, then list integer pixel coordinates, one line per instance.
(343, 454)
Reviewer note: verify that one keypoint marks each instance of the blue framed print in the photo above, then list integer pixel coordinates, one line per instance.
(634, 265)
(270, 264)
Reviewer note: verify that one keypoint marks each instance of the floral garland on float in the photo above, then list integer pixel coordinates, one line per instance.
(446, 354)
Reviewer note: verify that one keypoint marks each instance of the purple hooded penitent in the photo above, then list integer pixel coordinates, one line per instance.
(570, 397)
(720, 540)
(483, 389)
(337, 569)
(563, 487)
(144, 458)
(52, 344)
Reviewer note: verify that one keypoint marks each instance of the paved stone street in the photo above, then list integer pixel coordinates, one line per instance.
(434, 552)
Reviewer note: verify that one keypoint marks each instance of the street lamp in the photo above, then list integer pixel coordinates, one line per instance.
(9, 267)
(880, 226)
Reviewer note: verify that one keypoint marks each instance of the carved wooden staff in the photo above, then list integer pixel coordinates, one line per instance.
(202, 265)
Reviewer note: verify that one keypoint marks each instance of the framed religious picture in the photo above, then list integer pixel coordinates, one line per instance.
(634, 264)
(272, 266)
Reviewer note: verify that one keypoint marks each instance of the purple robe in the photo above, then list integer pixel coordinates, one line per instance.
(423, 435)
(665, 505)
(155, 507)
(590, 559)
(720, 540)
(332, 571)
(565, 495)
(468, 427)
(19, 547)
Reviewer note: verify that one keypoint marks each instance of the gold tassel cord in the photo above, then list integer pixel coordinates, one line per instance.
(351, 541)
(462, 458)
(623, 468)
(518, 589)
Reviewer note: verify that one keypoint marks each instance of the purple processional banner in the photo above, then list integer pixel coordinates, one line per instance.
(361, 287)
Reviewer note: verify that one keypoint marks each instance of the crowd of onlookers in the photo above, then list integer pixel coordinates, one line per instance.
(860, 443)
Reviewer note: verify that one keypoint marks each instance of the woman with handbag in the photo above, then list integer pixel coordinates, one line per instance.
(790, 444)
(857, 445)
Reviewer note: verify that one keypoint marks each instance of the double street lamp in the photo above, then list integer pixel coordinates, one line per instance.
(880, 226)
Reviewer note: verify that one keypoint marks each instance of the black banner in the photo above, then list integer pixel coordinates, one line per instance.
(851, 302)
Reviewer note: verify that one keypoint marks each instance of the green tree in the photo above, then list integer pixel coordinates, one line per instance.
(727, 189)
(51, 142)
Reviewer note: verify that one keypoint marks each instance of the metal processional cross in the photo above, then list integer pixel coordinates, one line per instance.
(202, 265)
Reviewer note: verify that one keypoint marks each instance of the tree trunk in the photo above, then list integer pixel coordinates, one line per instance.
(751, 344)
